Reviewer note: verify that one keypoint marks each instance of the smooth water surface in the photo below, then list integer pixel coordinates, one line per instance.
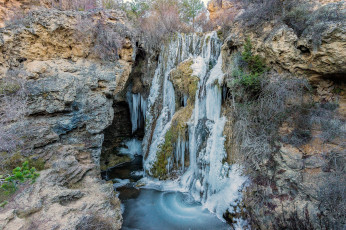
(157, 210)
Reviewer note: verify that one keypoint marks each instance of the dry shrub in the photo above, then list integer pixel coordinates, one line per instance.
(80, 5)
(304, 17)
(108, 42)
(258, 117)
(203, 24)
(93, 222)
(108, 38)
(257, 12)
(162, 22)
(332, 192)
(111, 4)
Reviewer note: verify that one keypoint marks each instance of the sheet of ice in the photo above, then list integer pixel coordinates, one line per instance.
(138, 105)
(199, 67)
(120, 183)
(228, 194)
(216, 74)
(167, 185)
(137, 173)
(133, 147)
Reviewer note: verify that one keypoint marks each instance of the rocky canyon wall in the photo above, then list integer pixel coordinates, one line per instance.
(298, 175)
(71, 90)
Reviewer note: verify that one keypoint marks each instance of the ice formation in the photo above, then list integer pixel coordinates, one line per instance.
(208, 177)
(133, 147)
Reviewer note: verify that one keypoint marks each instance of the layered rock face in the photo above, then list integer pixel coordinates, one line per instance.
(300, 174)
(71, 92)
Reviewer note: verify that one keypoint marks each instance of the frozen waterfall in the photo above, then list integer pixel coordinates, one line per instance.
(208, 176)
(138, 106)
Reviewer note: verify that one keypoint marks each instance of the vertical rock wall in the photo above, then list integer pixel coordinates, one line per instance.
(71, 94)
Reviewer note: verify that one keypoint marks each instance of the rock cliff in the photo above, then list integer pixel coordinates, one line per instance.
(299, 174)
(71, 91)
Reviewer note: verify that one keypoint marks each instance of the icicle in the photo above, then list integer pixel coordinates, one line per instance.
(138, 107)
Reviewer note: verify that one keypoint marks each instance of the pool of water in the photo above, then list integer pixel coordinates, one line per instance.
(153, 209)
(164, 210)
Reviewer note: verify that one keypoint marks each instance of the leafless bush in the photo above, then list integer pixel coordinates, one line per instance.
(108, 39)
(320, 20)
(111, 4)
(323, 114)
(13, 101)
(257, 12)
(332, 197)
(203, 24)
(160, 25)
(17, 16)
(257, 120)
(108, 42)
(296, 15)
(294, 221)
(160, 20)
(92, 222)
(80, 5)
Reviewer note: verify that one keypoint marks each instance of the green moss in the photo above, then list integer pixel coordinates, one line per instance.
(159, 169)
(114, 160)
(178, 129)
(220, 34)
(207, 39)
(16, 159)
(7, 87)
(38, 163)
(183, 80)
(337, 90)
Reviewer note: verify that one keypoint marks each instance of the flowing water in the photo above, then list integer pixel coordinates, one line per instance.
(206, 186)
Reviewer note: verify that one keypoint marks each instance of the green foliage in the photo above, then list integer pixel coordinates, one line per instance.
(135, 8)
(19, 175)
(254, 62)
(252, 68)
(190, 9)
(10, 162)
(3, 204)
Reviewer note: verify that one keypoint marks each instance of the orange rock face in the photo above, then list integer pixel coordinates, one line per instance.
(15, 9)
(216, 8)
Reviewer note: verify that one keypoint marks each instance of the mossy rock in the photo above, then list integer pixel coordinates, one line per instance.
(179, 128)
(183, 80)
(7, 87)
(159, 168)
(17, 158)
(114, 160)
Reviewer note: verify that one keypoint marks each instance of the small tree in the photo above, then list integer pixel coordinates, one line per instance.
(190, 9)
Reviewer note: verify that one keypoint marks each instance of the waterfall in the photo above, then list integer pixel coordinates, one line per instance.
(208, 177)
(179, 49)
(138, 106)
